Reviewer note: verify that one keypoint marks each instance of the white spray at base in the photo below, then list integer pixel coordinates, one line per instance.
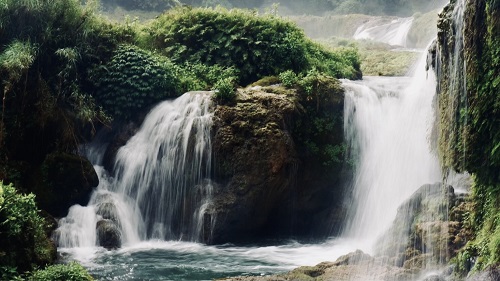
(160, 182)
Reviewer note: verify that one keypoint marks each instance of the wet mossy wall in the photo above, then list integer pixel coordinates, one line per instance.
(470, 122)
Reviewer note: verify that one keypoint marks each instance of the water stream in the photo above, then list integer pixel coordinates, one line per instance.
(155, 197)
(387, 123)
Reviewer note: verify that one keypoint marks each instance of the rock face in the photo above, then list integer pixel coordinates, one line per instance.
(420, 233)
(64, 180)
(466, 59)
(490, 274)
(267, 184)
(278, 162)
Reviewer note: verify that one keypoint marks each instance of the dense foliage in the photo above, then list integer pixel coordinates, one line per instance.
(61, 272)
(134, 79)
(256, 46)
(46, 48)
(24, 242)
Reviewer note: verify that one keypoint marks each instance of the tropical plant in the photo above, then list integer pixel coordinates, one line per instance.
(61, 272)
(224, 89)
(24, 241)
(288, 78)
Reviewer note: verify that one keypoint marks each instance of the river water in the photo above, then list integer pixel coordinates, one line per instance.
(176, 260)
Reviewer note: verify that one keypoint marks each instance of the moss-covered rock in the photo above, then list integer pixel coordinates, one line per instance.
(64, 180)
(275, 175)
(468, 71)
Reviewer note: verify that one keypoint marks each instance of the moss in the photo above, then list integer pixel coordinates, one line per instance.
(471, 125)
(266, 81)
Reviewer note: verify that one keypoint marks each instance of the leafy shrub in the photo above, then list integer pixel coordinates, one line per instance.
(24, 241)
(288, 78)
(197, 76)
(342, 62)
(135, 79)
(256, 46)
(225, 90)
(62, 272)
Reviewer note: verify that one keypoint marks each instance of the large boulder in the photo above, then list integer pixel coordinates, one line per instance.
(421, 233)
(269, 182)
(64, 180)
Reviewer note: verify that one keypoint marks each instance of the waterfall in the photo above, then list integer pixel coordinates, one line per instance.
(387, 124)
(393, 33)
(160, 187)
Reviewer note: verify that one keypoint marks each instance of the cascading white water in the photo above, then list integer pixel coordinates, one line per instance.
(164, 166)
(160, 187)
(393, 33)
(387, 124)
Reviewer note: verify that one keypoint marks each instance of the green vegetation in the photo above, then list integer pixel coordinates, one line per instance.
(225, 90)
(470, 134)
(25, 243)
(257, 46)
(318, 131)
(61, 272)
(65, 72)
(134, 79)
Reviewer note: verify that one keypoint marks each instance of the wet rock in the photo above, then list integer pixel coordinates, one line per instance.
(490, 274)
(420, 232)
(108, 234)
(353, 266)
(356, 257)
(107, 210)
